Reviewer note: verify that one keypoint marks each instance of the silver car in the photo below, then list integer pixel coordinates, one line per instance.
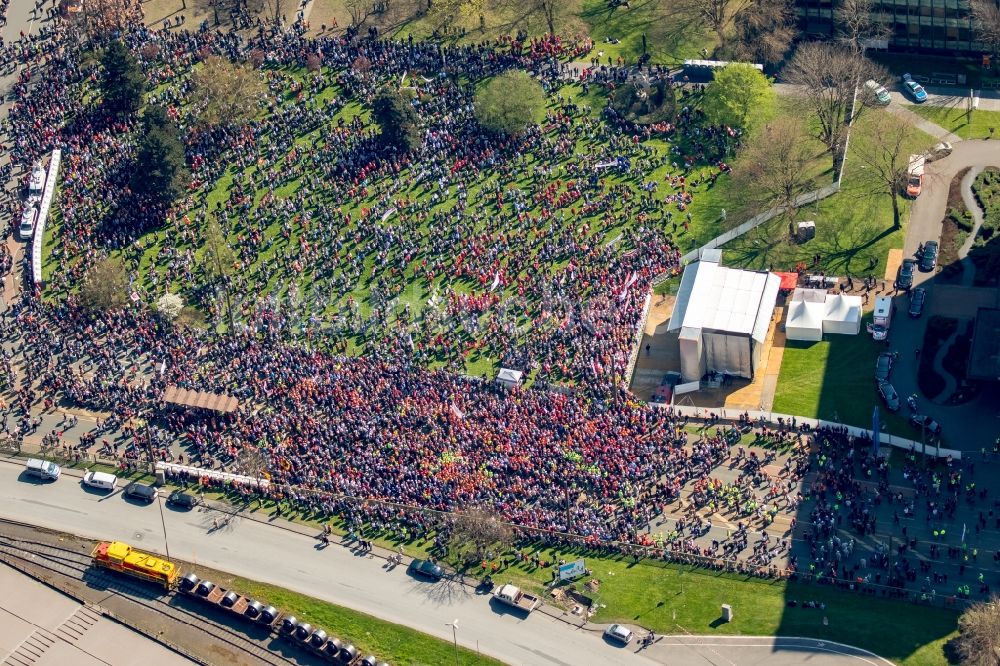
(889, 396)
(618, 633)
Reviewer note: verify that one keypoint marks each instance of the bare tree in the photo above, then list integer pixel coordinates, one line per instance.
(774, 167)
(226, 92)
(548, 9)
(884, 154)
(827, 76)
(219, 262)
(482, 529)
(105, 285)
(859, 22)
(103, 17)
(986, 22)
(359, 10)
(764, 31)
(978, 643)
(718, 15)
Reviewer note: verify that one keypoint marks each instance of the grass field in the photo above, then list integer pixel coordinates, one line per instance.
(854, 227)
(387, 641)
(396, 280)
(616, 31)
(956, 120)
(832, 380)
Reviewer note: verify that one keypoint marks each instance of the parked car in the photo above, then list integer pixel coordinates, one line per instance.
(883, 366)
(876, 94)
(889, 396)
(917, 299)
(939, 151)
(27, 226)
(141, 491)
(619, 633)
(915, 90)
(925, 422)
(928, 258)
(42, 469)
(100, 480)
(426, 568)
(905, 278)
(183, 500)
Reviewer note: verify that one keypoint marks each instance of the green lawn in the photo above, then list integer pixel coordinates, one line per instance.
(854, 227)
(832, 380)
(669, 40)
(387, 641)
(956, 120)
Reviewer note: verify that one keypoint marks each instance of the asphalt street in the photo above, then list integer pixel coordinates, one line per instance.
(906, 335)
(287, 558)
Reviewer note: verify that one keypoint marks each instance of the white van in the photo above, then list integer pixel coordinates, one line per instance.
(42, 469)
(27, 226)
(100, 480)
(881, 318)
(37, 182)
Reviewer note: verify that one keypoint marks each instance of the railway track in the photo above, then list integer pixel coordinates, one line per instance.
(75, 565)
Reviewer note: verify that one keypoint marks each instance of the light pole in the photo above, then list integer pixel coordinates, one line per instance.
(454, 635)
(159, 503)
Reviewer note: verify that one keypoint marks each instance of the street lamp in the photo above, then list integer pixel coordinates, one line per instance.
(163, 522)
(454, 635)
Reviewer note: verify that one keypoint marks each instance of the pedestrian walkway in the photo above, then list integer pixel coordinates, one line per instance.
(927, 126)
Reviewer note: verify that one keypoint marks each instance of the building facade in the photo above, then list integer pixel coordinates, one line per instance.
(943, 26)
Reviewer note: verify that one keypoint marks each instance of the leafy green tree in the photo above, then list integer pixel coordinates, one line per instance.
(161, 172)
(124, 83)
(740, 96)
(397, 119)
(509, 103)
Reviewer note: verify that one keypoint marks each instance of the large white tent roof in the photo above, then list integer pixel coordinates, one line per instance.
(805, 314)
(729, 300)
(842, 308)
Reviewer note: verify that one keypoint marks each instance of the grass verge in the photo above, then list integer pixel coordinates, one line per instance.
(833, 380)
(955, 119)
(390, 642)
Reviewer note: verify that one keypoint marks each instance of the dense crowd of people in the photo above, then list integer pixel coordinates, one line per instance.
(537, 251)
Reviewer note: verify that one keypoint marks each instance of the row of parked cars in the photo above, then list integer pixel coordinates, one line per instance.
(46, 470)
(883, 368)
(877, 94)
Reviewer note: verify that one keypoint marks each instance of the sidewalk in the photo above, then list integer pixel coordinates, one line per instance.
(925, 125)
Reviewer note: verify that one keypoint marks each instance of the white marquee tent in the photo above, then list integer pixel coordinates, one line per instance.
(805, 321)
(815, 312)
(723, 315)
(843, 314)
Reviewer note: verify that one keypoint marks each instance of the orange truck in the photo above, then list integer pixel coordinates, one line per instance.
(121, 557)
(915, 176)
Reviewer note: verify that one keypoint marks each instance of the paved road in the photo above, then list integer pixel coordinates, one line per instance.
(259, 550)
(926, 215)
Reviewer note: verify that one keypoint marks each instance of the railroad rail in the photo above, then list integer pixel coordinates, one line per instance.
(78, 565)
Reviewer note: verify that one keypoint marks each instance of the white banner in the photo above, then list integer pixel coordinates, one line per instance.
(43, 213)
(689, 387)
